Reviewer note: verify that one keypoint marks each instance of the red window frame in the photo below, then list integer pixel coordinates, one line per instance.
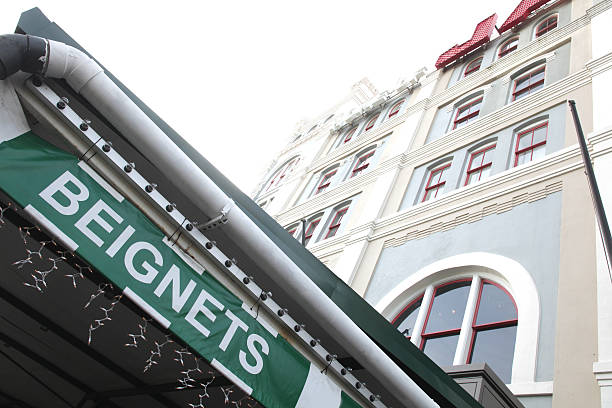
(547, 25)
(349, 135)
(436, 186)
(471, 67)
(325, 181)
(362, 163)
(312, 225)
(488, 326)
(532, 147)
(276, 180)
(442, 333)
(527, 90)
(292, 231)
(336, 221)
(505, 49)
(371, 122)
(470, 115)
(482, 166)
(409, 305)
(395, 108)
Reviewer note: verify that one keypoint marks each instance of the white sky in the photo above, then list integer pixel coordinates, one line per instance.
(234, 77)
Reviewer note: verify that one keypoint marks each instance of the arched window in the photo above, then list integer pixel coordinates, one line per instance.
(362, 162)
(436, 180)
(370, 124)
(395, 108)
(311, 227)
(282, 172)
(531, 144)
(464, 321)
(467, 112)
(325, 180)
(528, 83)
(348, 135)
(472, 66)
(508, 47)
(546, 25)
(480, 164)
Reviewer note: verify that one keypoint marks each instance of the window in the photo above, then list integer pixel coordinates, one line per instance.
(435, 319)
(371, 122)
(325, 181)
(311, 229)
(349, 135)
(467, 113)
(291, 230)
(528, 83)
(362, 163)
(282, 172)
(435, 182)
(507, 47)
(531, 144)
(395, 108)
(479, 166)
(545, 26)
(472, 67)
(334, 225)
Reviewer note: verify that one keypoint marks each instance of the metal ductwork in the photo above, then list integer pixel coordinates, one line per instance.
(22, 53)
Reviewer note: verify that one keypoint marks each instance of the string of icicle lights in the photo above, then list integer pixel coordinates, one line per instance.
(37, 266)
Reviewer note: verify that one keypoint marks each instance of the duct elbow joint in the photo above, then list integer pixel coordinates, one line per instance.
(22, 53)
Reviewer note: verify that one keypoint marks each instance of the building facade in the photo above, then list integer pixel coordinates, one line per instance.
(456, 204)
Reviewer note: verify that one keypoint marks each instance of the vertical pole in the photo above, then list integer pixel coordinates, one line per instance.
(303, 232)
(597, 202)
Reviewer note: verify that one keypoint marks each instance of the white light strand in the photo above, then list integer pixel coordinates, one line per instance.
(143, 331)
(187, 381)
(156, 353)
(100, 322)
(226, 393)
(100, 291)
(182, 352)
(2, 210)
(79, 274)
(40, 277)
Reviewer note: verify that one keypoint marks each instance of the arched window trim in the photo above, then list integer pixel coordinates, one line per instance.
(282, 171)
(496, 268)
(503, 51)
(536, 30)
(469, 69)
(395, 108)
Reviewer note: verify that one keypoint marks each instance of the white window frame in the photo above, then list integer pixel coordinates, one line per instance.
(496, 268)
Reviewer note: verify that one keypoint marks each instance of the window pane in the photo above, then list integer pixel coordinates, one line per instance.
(539, 152)
(525, 140)
(485, 173)
(476, 161)
(537, 77)
(539, 135)
(495, 305)
(496, 348)
(407, 319)
(448, 307)
(521, 84)
(524, 158)
(473, 177)
(441, 349)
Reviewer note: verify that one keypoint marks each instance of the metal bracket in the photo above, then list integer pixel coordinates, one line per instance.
(219, 219)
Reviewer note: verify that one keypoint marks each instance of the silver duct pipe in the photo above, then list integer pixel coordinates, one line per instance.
(87, 78)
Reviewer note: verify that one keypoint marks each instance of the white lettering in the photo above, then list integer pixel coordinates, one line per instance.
(59, 185)
(229, 334)
(265, 349)
(178, 298)
(120, 241)
(129, 261)
(198, 306)
(93, 214)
